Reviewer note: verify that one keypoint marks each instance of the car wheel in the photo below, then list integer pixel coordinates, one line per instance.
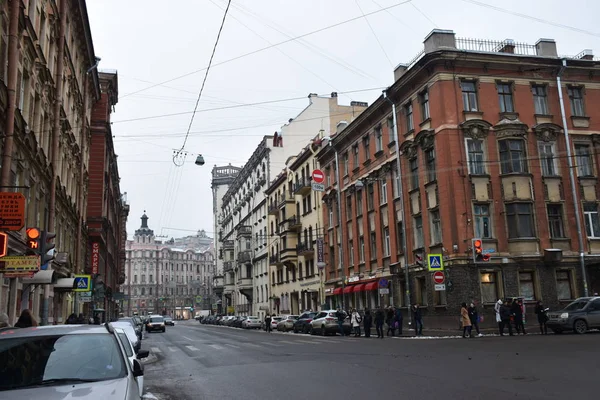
(295, 329)
(163, 329)
(312, 331)
(580, 326)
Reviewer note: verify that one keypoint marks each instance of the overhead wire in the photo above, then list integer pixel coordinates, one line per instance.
(423, 14)
(374, 34)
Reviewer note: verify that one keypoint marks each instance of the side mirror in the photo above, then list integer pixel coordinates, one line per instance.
(142, 354)
(138, 370)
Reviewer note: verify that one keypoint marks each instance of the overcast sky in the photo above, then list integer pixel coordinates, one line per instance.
(148, 42)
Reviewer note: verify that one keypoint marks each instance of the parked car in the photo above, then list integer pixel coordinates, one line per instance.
(237, 322)
(287, 323)
(98, 366)
(169, 321)
(131, 353)
(579, 316)
(251, 322)
(133, 323)
(302, 324)
(131, 334)
(155, 323)
(274, 321)
(326, 322)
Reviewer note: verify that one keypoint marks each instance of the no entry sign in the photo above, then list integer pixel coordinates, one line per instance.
(438, 277)
(318, 176)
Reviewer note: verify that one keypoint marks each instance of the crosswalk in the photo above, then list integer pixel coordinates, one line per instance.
(207, 346)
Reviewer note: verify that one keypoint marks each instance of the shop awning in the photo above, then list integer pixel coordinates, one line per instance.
(64, 285)
(337, 291)
(348, 289)
(360, 287)
(43, 277)
(371, 286)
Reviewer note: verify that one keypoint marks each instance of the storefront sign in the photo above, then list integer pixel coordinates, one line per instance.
(320, 251)
(383, 291)
(95, 257)
(353, 279)
(14, 266)
(12, 211)
(309, 283)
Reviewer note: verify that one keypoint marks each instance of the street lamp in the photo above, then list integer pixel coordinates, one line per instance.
(339, 215)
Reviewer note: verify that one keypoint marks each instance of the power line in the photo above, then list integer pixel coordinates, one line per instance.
(271, 46)
(374, 34)
(423, 14)
(205, 76)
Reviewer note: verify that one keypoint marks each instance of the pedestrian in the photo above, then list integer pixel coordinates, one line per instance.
(517, 312)
(268, 323)
(379, 322)
(81, 319)
(355, 320)
(465, 320)
(26, 320)
(505, 313)
(4, 324)
(390, 321)
(542, 316)
(71, 320)
(474, 317)
(367, 322)
(341, 316)
(398, 320)
(497, 308)
(418, 318)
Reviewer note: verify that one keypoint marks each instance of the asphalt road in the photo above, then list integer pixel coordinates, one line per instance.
(194, 361)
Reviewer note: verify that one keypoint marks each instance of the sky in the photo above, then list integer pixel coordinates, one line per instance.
(161, 54)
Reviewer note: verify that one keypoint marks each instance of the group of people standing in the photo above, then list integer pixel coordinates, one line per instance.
(469, 318)
(390, 316)
(511, 312)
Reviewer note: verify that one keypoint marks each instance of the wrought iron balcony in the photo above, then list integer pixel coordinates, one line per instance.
(274, 259)
(244, 230)
(305, 249)
(291, 224)
(302, 186)
(273, 208)
(244, 256)
(228, 245)
(227, 266)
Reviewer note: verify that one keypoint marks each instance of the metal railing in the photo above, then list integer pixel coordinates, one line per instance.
(496, 46)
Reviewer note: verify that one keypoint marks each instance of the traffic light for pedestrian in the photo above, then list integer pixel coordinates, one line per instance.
(419, 259)
(478, 254)
(47, 247)
(3, 244)
(33, 239)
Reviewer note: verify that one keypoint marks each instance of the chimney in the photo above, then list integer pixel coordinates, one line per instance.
(399, 71)
(341, 126)
(439, 39)
(546, 48)
(587, 54)
(333, 94)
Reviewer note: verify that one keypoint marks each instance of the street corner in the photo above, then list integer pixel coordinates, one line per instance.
(152, 358)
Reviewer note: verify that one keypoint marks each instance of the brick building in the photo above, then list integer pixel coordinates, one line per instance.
(483, 155)
(107, 209)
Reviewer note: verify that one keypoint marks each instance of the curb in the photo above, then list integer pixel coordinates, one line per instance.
(152, 358)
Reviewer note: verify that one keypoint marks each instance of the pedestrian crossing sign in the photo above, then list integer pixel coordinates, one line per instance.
(83, 283)
(436, 262)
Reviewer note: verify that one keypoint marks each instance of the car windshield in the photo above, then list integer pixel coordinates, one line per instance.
(59, 360)
(576, 305)
(157, 319)
(277, 318)
(168, 319)
(129, 331)
(129, 321)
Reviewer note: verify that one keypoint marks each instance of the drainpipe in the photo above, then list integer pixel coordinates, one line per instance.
(401, 193)
(7, 151)
(572, 179)
(340, 228)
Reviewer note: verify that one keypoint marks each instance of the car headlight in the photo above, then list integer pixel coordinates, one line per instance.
(564, 315)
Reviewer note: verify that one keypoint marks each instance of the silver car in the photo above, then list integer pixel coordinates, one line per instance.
(67, 361)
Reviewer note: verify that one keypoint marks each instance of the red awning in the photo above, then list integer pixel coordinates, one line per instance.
(348, 289)
(371, 286)
(337, 291)
(360, 287)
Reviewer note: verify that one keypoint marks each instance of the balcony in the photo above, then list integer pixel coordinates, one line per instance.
(244, 230)
(228, 289)
(245, 257)
(227, 266)
(291, 224)
(274, 259)
(286, 198)
(302, 186)
(273, 208)
(244, 283)
(289, 255)
(305, 249)
(228, 245)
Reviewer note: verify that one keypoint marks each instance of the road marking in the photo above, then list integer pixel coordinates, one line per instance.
(232, 345)
(192, 348)
(185, 337)
(271, 344)
(309, 341)
(173, 349)
(155, 350)
(216, 346)
(286, 342)
(252, 344)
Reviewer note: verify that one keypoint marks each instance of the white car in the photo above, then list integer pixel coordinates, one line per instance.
(274, 321)
(130, 332)
(131, 353)
(251, 322)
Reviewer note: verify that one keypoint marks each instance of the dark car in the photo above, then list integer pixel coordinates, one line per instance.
(302, 324)
(155, 323)
(169, 321)
(580, 316)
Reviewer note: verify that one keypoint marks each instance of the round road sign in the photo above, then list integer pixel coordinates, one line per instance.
(318, 176)
(438, 277)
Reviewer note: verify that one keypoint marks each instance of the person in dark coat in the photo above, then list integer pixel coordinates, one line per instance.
(26, 320)
(389, 320)
(398, 320)
(379, 322)
(418, 318)
(81, 319)
(268, 323)
(517, 311)
(542, 316)
(505, 312)
(367, 323)
(71, 320)
(474, 316)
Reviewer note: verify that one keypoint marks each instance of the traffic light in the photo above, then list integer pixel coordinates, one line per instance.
(419, 259)
(47, 247)
(478, 254)
(33, 239)
(3, 244)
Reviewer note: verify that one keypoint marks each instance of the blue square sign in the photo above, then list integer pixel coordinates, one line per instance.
(436, 262)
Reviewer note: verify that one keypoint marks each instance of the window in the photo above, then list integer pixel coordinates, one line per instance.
(387, 247)
(482, 221)
(330, 216)
(346, 162)
(519, 219)
(383, 191)
(370, 196)
(576, 99)
(418, 232)
(378, 139)
(549, 167)
(436, 227)
(328, 176)
(505, 97)
(424, 100)
(399, 237)
(564, 287)
(475, 154)
(592, 221)
(351, 252)
(359, 202)
(469, 95)
(430, 164)
(408, 112)
(361, 249)
(348, 207)
(540, 99)
(391, 132)
(355, 156)
(555, 221)
(414, 173)
(526, 286)
(373, 245)
(395, 183)
(489, 287)
(421, 291)
(512, 156)
(440, 298)
(583, 158)
(367, 148)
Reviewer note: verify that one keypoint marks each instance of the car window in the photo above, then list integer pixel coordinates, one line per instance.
(595, 306)
(321, 315)
(576, 305)
(125, 342)
(157, 319)
(40, 360)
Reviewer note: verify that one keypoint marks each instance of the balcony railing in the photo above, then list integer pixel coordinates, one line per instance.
(245, 283)
(228, 245)
(273, 207)
(274, 259)
(305, 249)
(245, 256)
(290, 224)
(302, 186)
(287, 197)
(227, 266)
(244, 230)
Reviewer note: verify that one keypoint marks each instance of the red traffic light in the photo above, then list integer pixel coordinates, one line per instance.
(477, 243)
(33, 238)
(485, 257)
